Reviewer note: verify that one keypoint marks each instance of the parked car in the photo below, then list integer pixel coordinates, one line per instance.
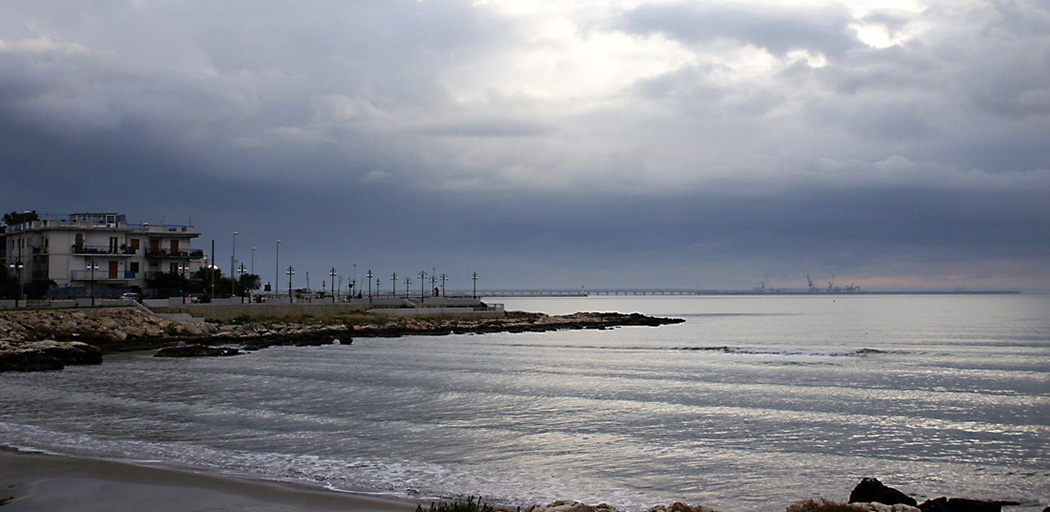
(131, 296)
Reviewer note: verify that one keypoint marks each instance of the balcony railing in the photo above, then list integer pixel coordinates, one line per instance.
(192, 254)
(102, 275)
(103, 249)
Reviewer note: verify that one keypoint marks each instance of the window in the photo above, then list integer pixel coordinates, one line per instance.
(135, 267)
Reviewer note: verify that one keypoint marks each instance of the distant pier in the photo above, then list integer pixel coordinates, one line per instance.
(754, 292)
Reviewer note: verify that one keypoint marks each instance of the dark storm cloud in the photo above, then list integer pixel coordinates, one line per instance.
(547, 143)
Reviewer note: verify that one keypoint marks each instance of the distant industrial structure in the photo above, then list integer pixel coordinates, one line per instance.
(96, 254)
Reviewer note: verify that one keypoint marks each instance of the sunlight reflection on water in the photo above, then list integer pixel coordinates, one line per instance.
(749, 405)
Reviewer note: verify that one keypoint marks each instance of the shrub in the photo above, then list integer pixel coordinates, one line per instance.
(471, 505)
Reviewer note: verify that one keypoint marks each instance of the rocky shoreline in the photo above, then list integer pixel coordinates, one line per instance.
(870, 495)
(34, 340)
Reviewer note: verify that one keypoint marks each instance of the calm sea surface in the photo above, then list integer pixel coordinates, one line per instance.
(753, 403)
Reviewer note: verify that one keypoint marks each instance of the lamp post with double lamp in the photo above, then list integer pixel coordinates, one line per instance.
(408, 282)
(92, 266)
(422, 282)
(17, 266)
(277, 269)
(393, 287)
(474, 277)
(183, 267)
(334, 291)
(444, 277)
(291, 272)
(241, 270)
(369, 275)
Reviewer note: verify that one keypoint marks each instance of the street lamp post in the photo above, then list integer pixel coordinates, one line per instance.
(369, 275)
(291, 272)
(444, 277)
(422, 282)
(253, 260)
(333, 274)
(474, 277)
(408, 282)
(233, 266)
(277, 269)
(433, 280)
(393, 288)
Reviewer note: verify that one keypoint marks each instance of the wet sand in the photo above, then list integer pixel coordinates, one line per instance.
(37, 483)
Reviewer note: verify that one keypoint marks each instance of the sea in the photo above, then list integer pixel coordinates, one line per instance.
(754, 402)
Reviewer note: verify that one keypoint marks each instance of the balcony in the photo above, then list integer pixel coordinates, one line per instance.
(103, 249)
(189, 254)
(167, 230)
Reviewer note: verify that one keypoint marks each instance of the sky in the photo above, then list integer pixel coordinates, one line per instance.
(550, 144)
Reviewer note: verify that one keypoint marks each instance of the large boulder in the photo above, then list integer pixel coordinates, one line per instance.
(871, 490)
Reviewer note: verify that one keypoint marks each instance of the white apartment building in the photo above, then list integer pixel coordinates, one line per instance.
(98, 251)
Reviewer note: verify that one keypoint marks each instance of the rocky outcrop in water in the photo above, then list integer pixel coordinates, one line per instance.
(35, 340)
(871, 490)
(382, 326)
(196, 351)
(112, 328)
(46, 355)
(122, 329)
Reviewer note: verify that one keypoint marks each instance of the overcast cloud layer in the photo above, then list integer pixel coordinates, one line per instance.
(668, 144)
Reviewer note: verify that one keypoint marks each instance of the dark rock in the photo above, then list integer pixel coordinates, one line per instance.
(79, 353)
(965, 505)
(196, 351)
(935, 505)
(50, 358)
(871, 490)
(29, 362)
(960, 505)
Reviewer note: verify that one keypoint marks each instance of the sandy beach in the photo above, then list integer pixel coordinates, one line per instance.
(36, 482)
